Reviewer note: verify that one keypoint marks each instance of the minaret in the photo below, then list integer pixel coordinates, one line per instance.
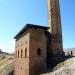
(54, 22)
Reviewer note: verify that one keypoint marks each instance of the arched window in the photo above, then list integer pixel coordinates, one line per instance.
(21, 53)
(25, 52)
(39, 51)
(18, 53)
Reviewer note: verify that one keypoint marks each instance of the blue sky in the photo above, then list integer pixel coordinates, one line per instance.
(14, 14)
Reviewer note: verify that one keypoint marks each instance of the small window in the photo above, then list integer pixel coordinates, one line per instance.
(21, 53)
(39, 51)
(25, 52)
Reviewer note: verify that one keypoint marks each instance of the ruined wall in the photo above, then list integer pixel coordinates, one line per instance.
(37, 61)
(30, 54)
(21, 61)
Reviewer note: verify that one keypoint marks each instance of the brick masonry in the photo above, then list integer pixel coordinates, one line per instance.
(30, 63)
(54, 20)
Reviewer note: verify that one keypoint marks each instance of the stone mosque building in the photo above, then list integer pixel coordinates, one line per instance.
(37, 47)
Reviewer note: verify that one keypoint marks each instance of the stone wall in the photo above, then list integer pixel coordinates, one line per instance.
(31, 50)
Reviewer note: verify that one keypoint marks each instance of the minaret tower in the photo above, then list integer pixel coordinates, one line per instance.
(54, 22)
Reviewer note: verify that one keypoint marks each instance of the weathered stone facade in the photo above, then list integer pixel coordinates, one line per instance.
(30, 57)
(55, 26)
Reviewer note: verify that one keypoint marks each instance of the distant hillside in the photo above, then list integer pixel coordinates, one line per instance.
(4, 55)
(69, 49)
(6, 63)
(1, 52)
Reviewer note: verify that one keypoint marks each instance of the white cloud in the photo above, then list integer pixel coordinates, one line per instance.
(8, 46)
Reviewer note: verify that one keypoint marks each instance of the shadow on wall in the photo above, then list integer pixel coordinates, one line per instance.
(11, 73)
